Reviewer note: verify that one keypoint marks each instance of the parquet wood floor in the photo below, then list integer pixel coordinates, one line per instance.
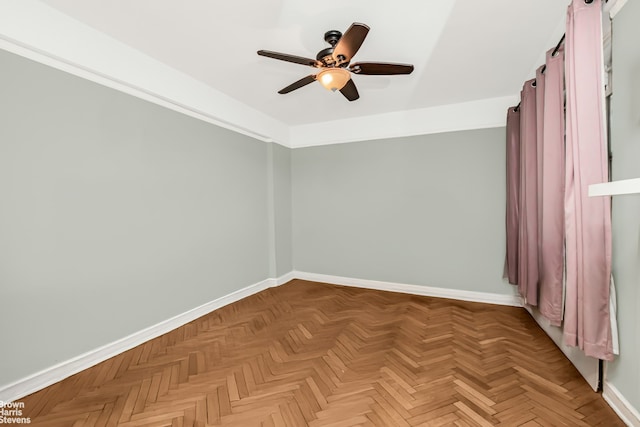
(311, 354)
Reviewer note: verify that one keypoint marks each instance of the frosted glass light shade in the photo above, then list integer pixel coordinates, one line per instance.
(333, 78)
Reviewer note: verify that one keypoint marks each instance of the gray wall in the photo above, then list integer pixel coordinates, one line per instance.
(624, 372)
(282, 209)
(115, 214)
(424, 210)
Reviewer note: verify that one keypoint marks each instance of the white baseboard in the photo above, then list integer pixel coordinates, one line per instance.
(484, 297)
(629, 415)
(287, 277)
(56, 373)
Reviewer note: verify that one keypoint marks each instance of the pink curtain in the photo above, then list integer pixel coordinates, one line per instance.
(528, 206)
(587, 220)
(551, 161)
(513, 193)
(539, 84)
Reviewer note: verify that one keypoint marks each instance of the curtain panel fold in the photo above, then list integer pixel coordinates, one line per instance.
(513, 193)
(551, 190)
(528, 206)
(587, 220)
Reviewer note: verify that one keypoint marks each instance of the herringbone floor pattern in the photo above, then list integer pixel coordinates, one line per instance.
(310, 354)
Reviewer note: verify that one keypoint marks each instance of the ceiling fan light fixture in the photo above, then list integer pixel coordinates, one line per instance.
(333, 78)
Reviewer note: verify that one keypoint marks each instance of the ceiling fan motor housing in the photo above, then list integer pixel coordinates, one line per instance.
(326, 55)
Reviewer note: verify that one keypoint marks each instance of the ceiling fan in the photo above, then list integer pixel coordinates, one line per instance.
(333, 63)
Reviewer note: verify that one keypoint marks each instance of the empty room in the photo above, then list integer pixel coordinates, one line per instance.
(295, 213)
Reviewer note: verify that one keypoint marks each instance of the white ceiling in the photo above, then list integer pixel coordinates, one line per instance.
(463, 51)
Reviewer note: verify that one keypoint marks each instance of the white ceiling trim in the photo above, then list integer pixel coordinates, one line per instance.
(128, 88)
(37, 31)
(481, 114)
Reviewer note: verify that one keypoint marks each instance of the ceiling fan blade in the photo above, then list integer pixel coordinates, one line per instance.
(350, 42)
(297, 85)
(381, 69)
(290, 58)
(350, 91)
